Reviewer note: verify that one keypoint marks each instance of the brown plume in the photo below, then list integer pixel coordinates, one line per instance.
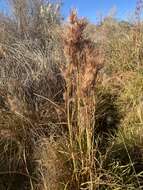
(84, 60)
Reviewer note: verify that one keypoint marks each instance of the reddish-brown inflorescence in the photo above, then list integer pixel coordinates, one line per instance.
(84, 60)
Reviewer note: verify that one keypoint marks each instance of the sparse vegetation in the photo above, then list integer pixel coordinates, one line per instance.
(71, 100)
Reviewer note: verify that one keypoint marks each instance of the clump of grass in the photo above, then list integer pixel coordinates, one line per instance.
(126, 152)
(53, 169)
(131, 101)
(64, 122)
(31, 92)
(2, 52)
(84, 61)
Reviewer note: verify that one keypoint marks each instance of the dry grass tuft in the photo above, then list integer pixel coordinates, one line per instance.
(2, 52)
(82, 57)
(84, 61)
(67, 122)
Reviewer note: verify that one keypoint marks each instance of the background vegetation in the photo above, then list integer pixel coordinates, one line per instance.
(71, 100)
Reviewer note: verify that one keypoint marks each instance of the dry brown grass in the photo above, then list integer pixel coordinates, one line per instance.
(2, 52)
(60, 111)
(82, 57)
(84, 61)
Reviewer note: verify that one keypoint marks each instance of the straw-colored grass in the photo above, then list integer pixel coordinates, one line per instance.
(71, 111)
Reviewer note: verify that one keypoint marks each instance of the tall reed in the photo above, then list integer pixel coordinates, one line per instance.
(84, 61)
